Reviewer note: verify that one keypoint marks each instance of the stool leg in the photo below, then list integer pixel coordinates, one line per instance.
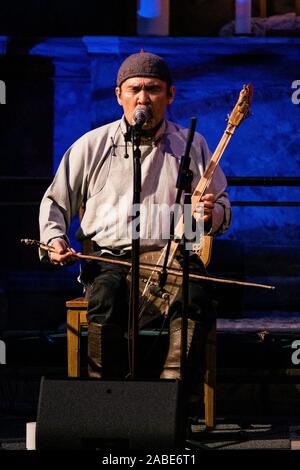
(73, 333)
(210, 378)
(262, 8)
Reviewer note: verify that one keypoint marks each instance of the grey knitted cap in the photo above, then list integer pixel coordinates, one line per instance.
(144, 64)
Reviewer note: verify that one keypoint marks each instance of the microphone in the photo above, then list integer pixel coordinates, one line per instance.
(140, 116)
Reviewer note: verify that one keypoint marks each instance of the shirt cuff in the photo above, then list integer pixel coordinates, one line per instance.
(217, 220)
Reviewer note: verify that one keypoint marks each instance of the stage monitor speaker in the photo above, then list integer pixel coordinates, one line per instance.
(75, 413)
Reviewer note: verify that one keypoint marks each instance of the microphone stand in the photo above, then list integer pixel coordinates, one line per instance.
(183, 184)
(184, 180)
(135, 277)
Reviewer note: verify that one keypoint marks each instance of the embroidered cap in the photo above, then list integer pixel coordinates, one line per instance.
(144, 64)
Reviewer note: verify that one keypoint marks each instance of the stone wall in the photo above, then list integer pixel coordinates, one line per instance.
(208, 73)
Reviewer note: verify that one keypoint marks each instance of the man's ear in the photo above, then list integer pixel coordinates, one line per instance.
(171, 94)
(118, 95)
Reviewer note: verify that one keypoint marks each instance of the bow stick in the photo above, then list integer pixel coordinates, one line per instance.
(147, 267)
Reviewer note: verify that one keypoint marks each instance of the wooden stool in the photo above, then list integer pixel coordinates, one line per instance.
(76, 320)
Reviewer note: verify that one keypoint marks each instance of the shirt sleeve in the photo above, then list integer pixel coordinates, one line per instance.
(63, 197)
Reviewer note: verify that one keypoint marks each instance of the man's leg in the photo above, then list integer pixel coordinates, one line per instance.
(107, 319)
(201, 312)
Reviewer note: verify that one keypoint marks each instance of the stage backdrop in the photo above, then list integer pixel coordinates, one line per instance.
(208, 74)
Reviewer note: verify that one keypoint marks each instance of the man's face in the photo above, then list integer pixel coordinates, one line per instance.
(151, 93)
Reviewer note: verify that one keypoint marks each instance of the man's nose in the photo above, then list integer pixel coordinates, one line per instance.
(143, 97)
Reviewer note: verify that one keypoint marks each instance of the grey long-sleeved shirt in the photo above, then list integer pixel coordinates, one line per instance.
(94, 171)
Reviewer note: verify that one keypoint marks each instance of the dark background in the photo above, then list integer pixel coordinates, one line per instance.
(32, 296)
(114, 17)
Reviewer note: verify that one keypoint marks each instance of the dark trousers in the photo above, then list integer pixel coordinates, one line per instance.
(108, 294)
(202, 306)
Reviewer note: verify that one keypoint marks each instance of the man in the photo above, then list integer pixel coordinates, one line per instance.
(95, 173)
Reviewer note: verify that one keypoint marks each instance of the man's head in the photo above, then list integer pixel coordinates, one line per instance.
(144, 80)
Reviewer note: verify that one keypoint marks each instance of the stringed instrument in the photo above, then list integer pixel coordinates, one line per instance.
(153, 298)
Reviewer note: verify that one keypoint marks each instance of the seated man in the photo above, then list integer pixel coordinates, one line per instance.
(94, 171)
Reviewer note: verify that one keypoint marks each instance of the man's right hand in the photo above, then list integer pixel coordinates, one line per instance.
(62, 254)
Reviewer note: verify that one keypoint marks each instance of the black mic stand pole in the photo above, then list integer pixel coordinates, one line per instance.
(184, 181)
(135, 276)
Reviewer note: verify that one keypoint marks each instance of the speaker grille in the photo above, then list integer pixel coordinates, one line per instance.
(94, 414)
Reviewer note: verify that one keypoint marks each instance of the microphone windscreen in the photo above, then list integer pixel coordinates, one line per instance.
(140, 116)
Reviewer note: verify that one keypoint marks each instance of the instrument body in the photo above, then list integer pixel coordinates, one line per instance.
(156, 300)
